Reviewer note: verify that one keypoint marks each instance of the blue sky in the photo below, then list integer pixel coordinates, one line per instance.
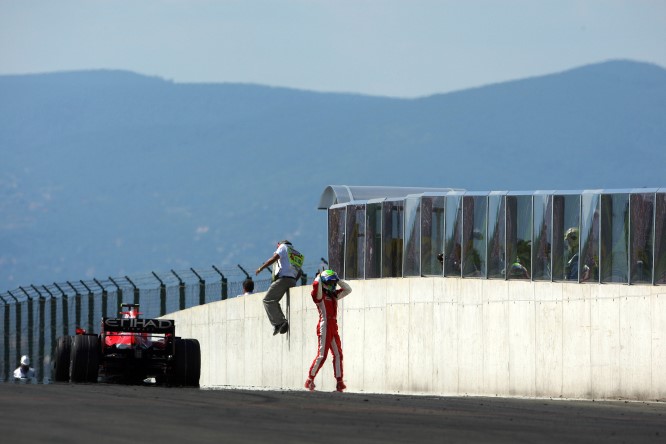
(398, 48)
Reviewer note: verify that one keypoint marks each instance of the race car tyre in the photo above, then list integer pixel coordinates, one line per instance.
(179, 374)
(84, 362)
(193, 362)
(61, 359)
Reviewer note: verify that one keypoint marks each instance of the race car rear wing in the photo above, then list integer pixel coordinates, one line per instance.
(139, 325)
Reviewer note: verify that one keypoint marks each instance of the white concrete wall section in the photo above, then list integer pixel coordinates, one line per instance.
(450, 337)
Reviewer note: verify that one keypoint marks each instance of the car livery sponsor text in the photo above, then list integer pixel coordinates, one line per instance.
(138, 324)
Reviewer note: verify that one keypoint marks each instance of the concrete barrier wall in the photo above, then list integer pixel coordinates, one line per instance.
(449, 337)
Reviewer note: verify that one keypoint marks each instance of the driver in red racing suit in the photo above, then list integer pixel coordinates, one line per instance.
(326, 295)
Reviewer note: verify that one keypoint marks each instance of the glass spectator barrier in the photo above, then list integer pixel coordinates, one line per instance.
(373, 240)
(496, 236)
(453, 235)
(411, 265)
(542, 260)
(519, 236)
(660, 238)
(392, 237)
(566, 236)
(336, 238)
(474, 228)
(355, 242)
(588, 263)
(641, 233)
(432, 235)
(614, 238)
(602, 236)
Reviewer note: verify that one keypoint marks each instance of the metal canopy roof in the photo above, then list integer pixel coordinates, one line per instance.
(337, 194)
(343, 194)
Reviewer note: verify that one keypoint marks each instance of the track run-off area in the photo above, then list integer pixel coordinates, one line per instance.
(111, 413)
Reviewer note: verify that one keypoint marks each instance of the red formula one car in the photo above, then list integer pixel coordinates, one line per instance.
(130, 350)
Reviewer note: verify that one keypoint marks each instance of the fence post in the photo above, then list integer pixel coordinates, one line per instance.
(77, 305)
(223, 281)
(136, 291)
(5, 341)
(119, 292)
(18, 327)
(181, 291)
(40, 345)
(53, 323)
(91, 307)
(65, 311)
(162, 295)
(105, 297)
(202, 288)
(31, 324)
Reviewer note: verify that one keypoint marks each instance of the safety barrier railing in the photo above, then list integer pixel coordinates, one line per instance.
(589, 236)
(34, 316)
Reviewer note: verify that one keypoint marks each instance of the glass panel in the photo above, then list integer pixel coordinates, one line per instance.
(355, 242)
(392, 239)
(660, 241)
(432, 235)
(641, 247)
(519, 236)
(543, 238)
(474, 236)
(496, 247)
(373, 239)
(336, 239)
(412, 254)
(452, 236)
(588, 267)
(566, 237)
(614, 255)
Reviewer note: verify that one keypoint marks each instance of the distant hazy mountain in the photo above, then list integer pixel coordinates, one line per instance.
(106, 173)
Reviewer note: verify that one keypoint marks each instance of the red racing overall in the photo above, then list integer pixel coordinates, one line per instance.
(327, 329)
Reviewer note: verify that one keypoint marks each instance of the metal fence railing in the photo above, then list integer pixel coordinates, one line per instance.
(34, 316)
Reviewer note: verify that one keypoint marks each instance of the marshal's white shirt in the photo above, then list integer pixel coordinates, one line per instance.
(18, 373)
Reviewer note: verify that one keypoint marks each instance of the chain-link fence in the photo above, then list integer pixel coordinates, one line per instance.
(33, 317)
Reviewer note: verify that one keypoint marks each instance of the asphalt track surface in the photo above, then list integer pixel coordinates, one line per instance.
(109, 413)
